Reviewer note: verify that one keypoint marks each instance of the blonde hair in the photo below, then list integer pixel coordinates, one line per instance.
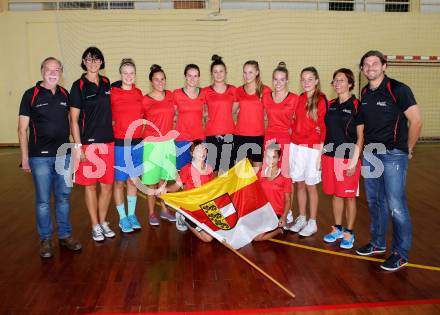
(281, 67)
(259, 83)
(127, 62)
(312, 102)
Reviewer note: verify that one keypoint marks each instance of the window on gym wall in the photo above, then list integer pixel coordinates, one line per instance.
(189, 4)
(95, 5)
(122, 5)
(341, 5)
(396, 6)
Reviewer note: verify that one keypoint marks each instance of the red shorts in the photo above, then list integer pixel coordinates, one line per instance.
(335, 180)
(99, 165)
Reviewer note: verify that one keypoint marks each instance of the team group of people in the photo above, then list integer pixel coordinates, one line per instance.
(184, 138)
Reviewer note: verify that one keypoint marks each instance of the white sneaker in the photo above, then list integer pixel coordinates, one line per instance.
(289, 219)
(107, 230)
(310, 229)
(180, 222)
(97, 233)
(300, 223)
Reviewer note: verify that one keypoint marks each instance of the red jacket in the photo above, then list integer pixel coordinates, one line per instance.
(306, 131)
(126, 108)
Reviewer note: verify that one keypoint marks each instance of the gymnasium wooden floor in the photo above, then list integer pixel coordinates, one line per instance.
(163, 270)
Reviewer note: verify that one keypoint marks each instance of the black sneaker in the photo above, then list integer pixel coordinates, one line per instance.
(369, 249)
(394, 262)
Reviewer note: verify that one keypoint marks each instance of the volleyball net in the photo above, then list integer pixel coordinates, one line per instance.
(168, 35)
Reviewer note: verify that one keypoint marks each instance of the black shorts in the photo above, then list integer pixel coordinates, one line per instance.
(190, 223)
(250, 147)
(193, 225)
(220, 151)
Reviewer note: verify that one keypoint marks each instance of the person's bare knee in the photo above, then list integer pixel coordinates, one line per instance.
(311, 188)
(131, 187)
(119, 184)
(90, 188)
(300, 186)
(106, 187)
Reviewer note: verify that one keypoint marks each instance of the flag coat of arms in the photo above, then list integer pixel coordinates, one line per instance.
(232, 207)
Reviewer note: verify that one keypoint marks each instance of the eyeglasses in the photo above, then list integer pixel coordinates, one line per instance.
(93, 60)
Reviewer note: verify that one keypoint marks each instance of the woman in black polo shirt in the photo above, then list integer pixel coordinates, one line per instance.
(91, 124)
(341, 167)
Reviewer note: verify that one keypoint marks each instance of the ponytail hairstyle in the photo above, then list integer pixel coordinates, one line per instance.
(189, 67)
(127, 62)
(312, 102)
(281, 68)
(217, 60)
(259, 90)
(154, 69)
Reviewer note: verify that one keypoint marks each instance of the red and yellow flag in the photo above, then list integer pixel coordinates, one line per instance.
(232, 207)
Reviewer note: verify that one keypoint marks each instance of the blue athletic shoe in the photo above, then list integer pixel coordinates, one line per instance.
(125, 225)
(334, 235)
(168, 216)
(394, 262)
(347, 241)
(153, 220)
(134, 222)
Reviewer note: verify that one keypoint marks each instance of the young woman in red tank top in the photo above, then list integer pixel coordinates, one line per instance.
(249, 130)
(220, 98)
(279, 107)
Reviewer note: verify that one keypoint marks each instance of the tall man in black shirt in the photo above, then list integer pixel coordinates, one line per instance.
(44, 113)
(392, 123)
